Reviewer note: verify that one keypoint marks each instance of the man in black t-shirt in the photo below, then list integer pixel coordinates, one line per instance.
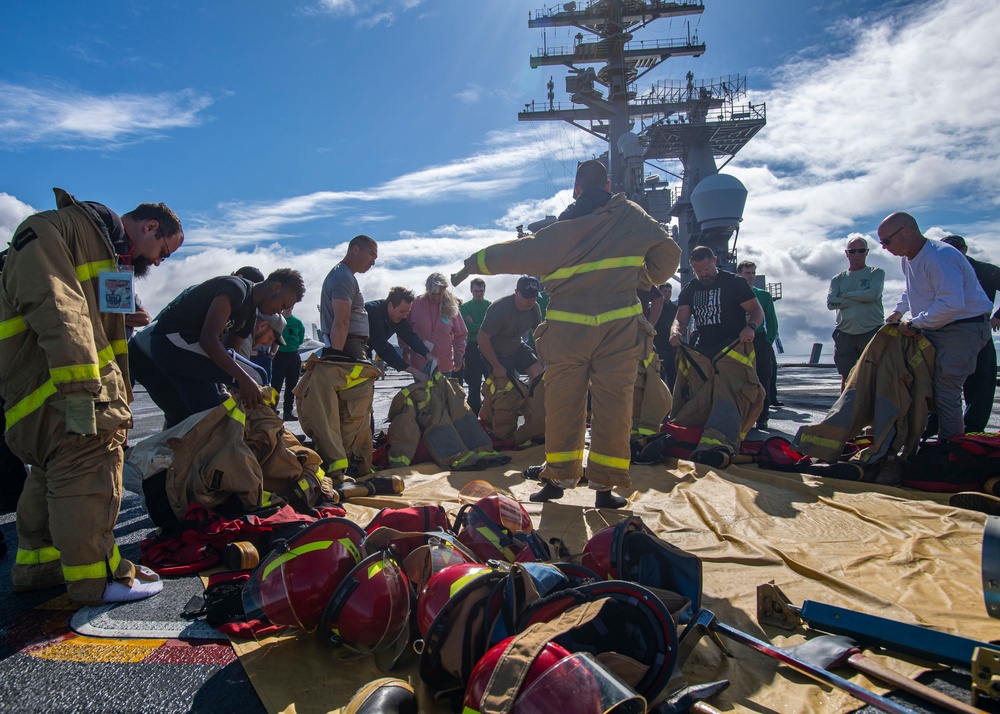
(390, 317)
(504, 327)
(722, 304)
(193, 334)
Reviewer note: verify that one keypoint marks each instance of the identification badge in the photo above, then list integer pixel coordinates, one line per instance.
(115, 291)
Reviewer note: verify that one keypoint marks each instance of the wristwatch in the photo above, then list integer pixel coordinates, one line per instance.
(751, 326)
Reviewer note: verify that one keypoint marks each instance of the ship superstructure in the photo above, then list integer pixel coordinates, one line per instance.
(691, 122)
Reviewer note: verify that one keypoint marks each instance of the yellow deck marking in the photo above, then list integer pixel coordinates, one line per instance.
(98, 649)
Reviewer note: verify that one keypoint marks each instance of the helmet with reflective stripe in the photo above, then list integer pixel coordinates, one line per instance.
(483, 670)
(293, 584)
(441, 587)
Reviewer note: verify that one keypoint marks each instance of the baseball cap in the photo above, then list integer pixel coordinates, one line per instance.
(277, 323)
(528, 286)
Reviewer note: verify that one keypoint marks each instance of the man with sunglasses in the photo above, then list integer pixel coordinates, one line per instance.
(946, 305)
(856, 295)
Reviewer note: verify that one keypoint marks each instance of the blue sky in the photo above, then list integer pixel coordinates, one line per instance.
(279, 130)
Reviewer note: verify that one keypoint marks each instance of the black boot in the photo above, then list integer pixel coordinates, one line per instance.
(549, 492)
(606, 499)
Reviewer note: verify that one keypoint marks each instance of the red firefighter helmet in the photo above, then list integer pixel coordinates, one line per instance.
(597, 554)
(293, 584)
(370, 609)
(495, 527)
(483, 670)
(440, 551)
(556, 679)
(441, 587)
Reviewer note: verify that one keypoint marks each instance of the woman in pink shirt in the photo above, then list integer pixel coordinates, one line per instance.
(436, 321)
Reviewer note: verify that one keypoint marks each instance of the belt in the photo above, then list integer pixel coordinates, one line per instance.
(968, 320)
(363, 338)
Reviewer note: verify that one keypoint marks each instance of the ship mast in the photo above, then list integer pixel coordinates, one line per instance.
(691, 122)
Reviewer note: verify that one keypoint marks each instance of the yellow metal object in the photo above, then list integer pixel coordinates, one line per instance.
(985, 674)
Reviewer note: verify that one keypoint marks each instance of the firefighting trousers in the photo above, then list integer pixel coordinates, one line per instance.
(66, 516)
(603, 359)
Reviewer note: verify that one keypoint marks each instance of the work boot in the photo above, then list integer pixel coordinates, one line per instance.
(549, 492)
(533, 473)
(650, 449)
(606, 499)
(716, 458)
(982, 502)
(384, 696)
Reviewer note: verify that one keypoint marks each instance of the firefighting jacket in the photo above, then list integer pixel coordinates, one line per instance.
(590, 265)
(890, 390)
(53, 337)
(436, 413)
(334, 403)
(505, 400)
(721, 394)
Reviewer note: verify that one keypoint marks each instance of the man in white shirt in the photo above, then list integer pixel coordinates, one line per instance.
(946, 305)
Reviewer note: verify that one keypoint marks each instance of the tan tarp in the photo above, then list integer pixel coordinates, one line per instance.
(891, 552)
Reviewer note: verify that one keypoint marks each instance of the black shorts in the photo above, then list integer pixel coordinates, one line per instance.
(519, 360)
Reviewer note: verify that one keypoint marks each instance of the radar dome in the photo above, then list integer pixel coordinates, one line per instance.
(718, 201)
(630, 146)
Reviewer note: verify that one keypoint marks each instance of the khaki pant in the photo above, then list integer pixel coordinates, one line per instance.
(603, 359)
(67, 512)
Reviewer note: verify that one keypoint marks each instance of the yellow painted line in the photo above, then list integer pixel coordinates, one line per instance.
(98, 649)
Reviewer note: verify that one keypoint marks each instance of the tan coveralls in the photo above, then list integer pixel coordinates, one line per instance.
(592, 338)
(53, 341)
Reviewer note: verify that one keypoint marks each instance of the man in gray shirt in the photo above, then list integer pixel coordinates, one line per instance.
(856, 295)
(343, 319)
(506, 322)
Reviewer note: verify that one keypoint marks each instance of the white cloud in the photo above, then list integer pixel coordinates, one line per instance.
(370, 13)
(67, 118)
(12, 212)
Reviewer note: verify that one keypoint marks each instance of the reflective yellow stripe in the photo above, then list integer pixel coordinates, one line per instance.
(375, 568)
(119, 347)
(294, 553)
(234, 411)
(72, 573)
(465, 580)
(11, 327)
(353, 378)
(744, 359)
(399, 461)
(36, 557)
(338, 465)
(645, 432)
(594, 320)
(714, 442)
(560, 457)
(481, 262)
(646, 362)
(89, 271)
(610, 461)
(265, 499)
(29, 404)
(75, 373)
(304, 485)
(820, 441)
(626, 261)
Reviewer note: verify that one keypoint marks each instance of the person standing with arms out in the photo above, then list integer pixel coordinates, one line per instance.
(980, 386)
(342, 317)
(66, 389)
(287, 365)
(763, 337)
(473, 312)
(856, 295)
(946, 306)
(591, 261)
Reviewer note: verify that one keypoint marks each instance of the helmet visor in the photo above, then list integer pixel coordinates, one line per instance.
(580, 684)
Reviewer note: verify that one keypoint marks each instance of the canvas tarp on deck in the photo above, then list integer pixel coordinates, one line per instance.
(896, 553)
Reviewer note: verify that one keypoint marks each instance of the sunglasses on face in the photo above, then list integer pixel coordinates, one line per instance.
(885, 241)
(855, 251)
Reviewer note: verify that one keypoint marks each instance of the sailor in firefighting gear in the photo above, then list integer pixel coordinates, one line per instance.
(66, 389)
(591, 261)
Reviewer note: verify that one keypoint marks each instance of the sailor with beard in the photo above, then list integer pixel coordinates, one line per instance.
(66, 391)
(723, 306)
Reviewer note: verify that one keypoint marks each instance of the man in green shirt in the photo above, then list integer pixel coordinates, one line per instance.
(763, 338)
(473, 311)
(856, 295)
(287, 365)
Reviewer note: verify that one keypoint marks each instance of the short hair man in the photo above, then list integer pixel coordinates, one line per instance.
(723, 305)
(389, 317)
(763, 337)
(67, 401)
(856, 295)
(501, 337)
(980, 386)
(342, 316)
(193, 335)
(946, 305)
(661, 341)
(259, 349)
(473, 312)
(287, 365)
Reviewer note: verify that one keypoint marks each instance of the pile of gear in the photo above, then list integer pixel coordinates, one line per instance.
(486, 607)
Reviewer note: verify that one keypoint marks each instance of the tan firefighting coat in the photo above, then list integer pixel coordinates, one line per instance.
(505, 402)
(334, 403)
(436, 413)
(889, 389)
(720, 394)
(54, 340)
(591, 339)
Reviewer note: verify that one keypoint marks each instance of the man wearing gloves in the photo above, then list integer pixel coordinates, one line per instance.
(591, 261)
(65, 385)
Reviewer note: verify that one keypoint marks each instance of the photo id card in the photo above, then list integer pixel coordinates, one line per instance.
(115, 291)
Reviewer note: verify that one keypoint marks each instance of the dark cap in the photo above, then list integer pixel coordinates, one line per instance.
(277, 323)
(528, 286)
(250, 273)
(956, 242)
